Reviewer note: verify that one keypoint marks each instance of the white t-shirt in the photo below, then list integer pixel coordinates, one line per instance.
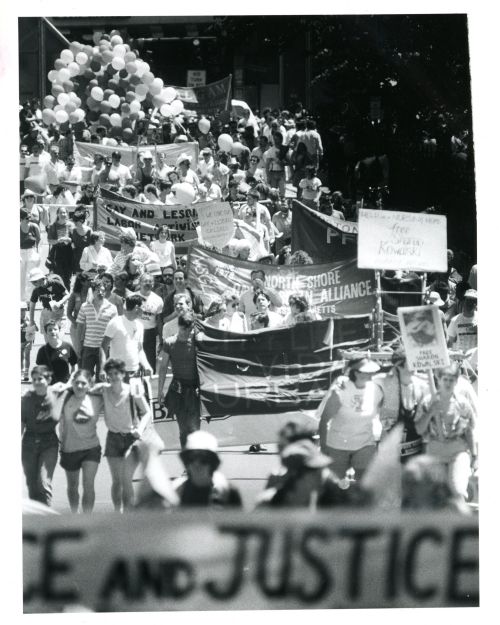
(152, 306)
(126, 336)
(165, 252)
(310, 188)
(120, 174)
(465, 330)
(357, 423)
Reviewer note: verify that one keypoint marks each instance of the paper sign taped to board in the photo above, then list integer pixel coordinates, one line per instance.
(209, 560)
(216, 223)
(423, 337)
(397, 240)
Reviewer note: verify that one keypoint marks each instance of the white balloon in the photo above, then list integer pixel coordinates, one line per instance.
(63, 74)
(140, 68)
(204, 125)
(81, 58)
(53, 75)
(177, 107)
(62, 99)
(119, 50)
(115, 119)
(61, 117)
(97, 94)
(66, 56)
(184, 193)
(147, 78)
(158, 82)
(135, 106)
(225, 142)
(81, 114)
(58, 107)
(118, 63)
(114, 100)
(166, 110)
(154, 89)
(74, 69)
(170, 94)
(141, 114)
(141, 90)
(116, 40)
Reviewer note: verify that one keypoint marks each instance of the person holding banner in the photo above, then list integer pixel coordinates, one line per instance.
(349, 416)
(262, 303)
(182, 399)
(446, 422)
(247, 304)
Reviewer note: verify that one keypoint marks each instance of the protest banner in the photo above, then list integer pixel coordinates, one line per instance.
(271, 371)
(332, 288)
(423, 337)
(234, 561)
(397, 240)
(85, 152)
(207, 99)
(324, 238)
(115, 211)
(216, 223)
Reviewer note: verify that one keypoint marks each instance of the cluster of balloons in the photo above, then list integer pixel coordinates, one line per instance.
(106, 84)
(226, 144)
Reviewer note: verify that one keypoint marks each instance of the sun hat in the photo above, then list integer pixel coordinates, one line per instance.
(201, 441)
(206, 151)
(36, 274)
(435, 298)
(153, 269)
(181, 139)
(304, 453)
(470, 294)
(147, 154)
(182, 158)
(364, 365)
(28, 193)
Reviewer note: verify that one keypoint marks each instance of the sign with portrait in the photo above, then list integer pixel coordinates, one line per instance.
(423, 337)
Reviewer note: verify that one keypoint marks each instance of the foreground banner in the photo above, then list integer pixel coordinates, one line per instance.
(85, 152)
(115, 212)
(324, 238)
(238, 561)
(332, 288)
(207, 99)
(271, 371)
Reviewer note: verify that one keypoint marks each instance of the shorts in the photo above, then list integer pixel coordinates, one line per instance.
(73, 460)
(118, 444)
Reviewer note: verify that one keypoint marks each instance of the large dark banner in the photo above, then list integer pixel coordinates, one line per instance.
(325, 239)
(208, 99)
(272, 371)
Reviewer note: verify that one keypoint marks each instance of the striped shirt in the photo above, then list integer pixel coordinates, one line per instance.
(95, 323)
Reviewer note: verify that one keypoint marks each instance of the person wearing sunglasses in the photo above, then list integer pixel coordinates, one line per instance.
(446, 421)
(204, 484)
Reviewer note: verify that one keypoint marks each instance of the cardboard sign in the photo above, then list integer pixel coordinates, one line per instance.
(396, 240)
(216, 223)
(265, 560)
(423, 337)
(196, 78)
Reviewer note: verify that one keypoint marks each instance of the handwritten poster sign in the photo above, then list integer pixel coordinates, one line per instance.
(216, 223)
(397, 240)
(423, 337)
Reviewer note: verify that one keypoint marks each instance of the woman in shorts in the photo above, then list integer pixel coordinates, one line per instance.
(127, 415)
(80, 447)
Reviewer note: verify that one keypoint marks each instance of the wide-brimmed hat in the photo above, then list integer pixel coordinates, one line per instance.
(304, 453)
(147, 154)
(36, 274)
(181, 139)
(204, 442)
(435, 298)
(364, 365)
(470, 294)
(28, 193)
(206, 151)
(182, 158)
(153, 269)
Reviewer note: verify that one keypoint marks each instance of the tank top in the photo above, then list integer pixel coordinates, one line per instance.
(117, 412)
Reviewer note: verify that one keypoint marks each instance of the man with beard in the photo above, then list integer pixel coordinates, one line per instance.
(420, 328)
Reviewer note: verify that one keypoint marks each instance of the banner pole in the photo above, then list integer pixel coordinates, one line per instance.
(228, 97)
(379, 319)
(424, 286)
(96, 195)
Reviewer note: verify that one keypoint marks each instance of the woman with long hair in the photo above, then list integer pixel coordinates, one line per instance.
(80, 235)
(77, 296)
(164, 248)
(95, 256)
